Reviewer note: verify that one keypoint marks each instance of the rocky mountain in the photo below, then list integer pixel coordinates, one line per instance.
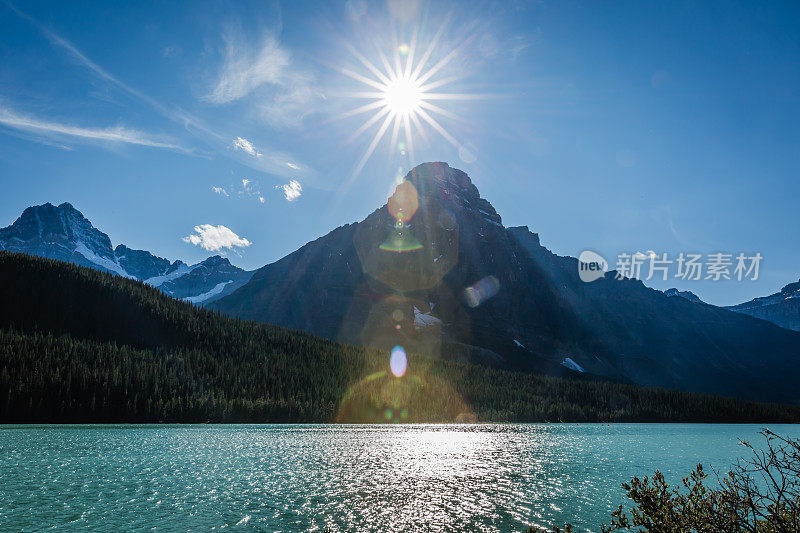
(204, 282)
(62, 232)
(781, 308)
(688, 295)
(434, 270)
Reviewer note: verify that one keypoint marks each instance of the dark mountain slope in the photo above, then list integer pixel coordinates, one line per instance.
(78, 345)
(436, 271)
(656, 339)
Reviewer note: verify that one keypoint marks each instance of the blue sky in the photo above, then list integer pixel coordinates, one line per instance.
(616, 127)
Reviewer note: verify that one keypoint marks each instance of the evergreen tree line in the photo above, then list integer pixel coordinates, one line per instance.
(78, 345)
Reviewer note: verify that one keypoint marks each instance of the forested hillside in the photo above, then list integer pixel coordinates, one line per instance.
(78, 345)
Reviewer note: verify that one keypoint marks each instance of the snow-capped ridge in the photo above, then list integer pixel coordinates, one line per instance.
(64, 233)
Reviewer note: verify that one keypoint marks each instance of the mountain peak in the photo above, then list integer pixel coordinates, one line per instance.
(49, 223)
(216, 260)
(453, 188)
(439, 176)
(687, 295)
(791, 288)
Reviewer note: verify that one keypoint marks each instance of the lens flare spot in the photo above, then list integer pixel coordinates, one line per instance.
(401, 241)
(403, 204)
(481, 291)
(398, 361)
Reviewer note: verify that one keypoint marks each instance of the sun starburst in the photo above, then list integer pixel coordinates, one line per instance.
(401, 95)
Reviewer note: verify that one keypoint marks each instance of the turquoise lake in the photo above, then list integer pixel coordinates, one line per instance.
(498, 477)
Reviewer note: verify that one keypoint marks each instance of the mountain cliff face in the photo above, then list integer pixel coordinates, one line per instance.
(435, 271)
(206, 281)
(781, 308)
(688, 295)
(62, 232)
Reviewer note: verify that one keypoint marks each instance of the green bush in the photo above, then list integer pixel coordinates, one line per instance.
(759, 494)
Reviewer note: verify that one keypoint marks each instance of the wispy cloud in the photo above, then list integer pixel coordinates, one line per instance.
(240, 143)
(283, 94)
(245, 188)
(270, 161)
(116, 134)
(292, 190)
(78, 56)
(293, 103)
(244, 69)
(215, 238)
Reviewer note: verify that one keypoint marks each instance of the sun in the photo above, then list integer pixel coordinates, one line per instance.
(402, 95)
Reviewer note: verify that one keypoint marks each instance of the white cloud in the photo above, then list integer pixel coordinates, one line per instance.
(215, 238)
(56, 40)
(644, 256)
(272, 161)
(284, 94)
(220, 190)
(240, 143)
(292, 190)
(116, 134)
(245, 70)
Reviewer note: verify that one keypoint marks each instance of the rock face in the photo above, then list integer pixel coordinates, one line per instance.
(781, 308)
(207, 281)
(62, 232)
(435, 271)
(141, 264)
(688, 295)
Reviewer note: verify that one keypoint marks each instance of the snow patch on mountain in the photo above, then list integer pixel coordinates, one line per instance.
(157, 281)
(424, 320)
(572, 365)
(218, 288)
(108, 264)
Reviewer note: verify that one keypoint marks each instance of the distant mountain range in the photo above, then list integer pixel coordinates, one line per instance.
(62, 232)
(436, 271)
(108, 349)
(781, 308)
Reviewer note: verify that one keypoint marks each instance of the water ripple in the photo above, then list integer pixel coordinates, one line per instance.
(344, 478)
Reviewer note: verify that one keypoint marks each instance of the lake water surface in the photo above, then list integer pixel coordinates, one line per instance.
(499, 477)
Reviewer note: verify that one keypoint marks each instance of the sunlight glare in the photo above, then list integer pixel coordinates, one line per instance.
(403, 96)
